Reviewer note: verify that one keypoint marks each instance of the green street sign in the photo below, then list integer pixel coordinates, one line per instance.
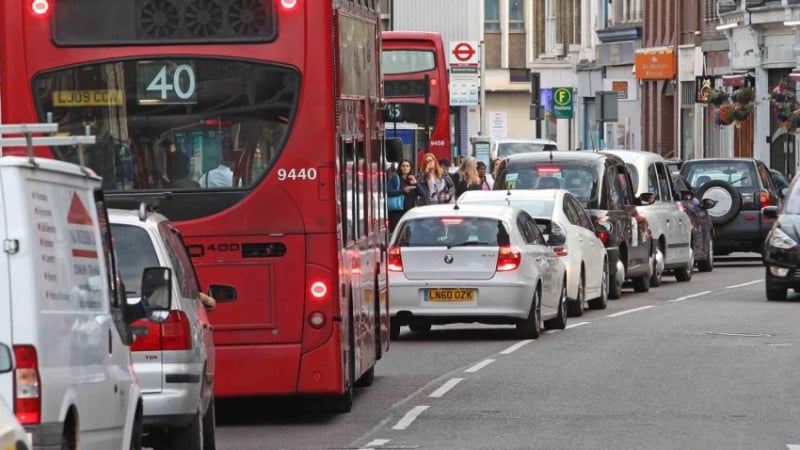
(562, 103)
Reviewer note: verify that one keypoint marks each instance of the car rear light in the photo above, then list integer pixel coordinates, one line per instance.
(395, 259)
(603, 236)
(27, 399)
(560, 251)
(508, 258)
(173, 334)
(763, 199)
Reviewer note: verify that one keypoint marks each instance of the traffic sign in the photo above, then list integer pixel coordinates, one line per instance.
(464, 53)
(562, 103)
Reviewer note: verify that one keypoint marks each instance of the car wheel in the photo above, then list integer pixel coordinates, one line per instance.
(774, 292)
(707, 265)
(530, 328)
(685, 273)
(728, 199)
(419, 326)
(642, 282)
(209, 427)
(394, 328)
(615, 282)
(189, 437)
(658, 268)
(560, 321)
(601, 302)
(575, 307)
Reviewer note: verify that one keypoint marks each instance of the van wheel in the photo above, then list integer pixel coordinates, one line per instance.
(136, 431)
(209, 427)
(68, 436)
(189, 437)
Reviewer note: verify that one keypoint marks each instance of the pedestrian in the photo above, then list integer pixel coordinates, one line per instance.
(468, 178)
(434, 184)
(487, 182)
(406, 190)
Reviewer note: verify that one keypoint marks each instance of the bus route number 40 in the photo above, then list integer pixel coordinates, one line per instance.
(178, 85)
(297, 174)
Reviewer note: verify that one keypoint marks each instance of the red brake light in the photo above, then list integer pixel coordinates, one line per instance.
(452, 220)
(318, 289)
(560, 251)
(548, 169)
(27, 401)
(603, 236)
(395, 259)
(176, 332)
(763, 199)
(508, 258)
(148, 336)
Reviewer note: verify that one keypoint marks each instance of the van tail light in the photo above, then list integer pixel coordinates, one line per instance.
(27, 398)
(763, 199)
(173, 334)
(508, 258)
(395, 259)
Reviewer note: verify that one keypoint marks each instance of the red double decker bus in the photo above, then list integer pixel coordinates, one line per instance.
(255, 125)
(417, 91)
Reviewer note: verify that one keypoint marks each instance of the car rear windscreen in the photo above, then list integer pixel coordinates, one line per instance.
(579, 180)
(513, 148)
(740, 174)
(135, 252)
(452, 232)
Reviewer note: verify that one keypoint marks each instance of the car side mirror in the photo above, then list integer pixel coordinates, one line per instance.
(222, 293)
(647, 198)
(687, 195)
(770, 212)
(6, 359)
(156, 292)
(708, 203)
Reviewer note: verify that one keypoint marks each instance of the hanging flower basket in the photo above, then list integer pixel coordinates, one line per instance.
(724, 115)
(784, 106)
(744, 95)
(741, 111)
(782, 93)
(717, 97)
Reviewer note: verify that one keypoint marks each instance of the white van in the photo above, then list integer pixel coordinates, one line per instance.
(63, 310)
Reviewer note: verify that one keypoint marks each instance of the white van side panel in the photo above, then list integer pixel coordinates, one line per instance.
(60, 302)
(5, 300)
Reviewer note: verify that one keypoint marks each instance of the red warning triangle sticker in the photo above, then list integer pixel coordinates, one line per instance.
(78, 214)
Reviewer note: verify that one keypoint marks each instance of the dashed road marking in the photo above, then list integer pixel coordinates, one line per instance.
(516, 346)
(409, 418)
(622, 313)
(479, 366)
(374, 443)
(443, 389)
(687, 297)
(577, 324)
(743, 284)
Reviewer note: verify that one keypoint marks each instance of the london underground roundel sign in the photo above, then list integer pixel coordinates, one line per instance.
(464, 53)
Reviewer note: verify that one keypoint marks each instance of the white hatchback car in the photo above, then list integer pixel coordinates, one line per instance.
(174, 361)
(569, 231)
(474, 263)
(12, 435)
(670, 226)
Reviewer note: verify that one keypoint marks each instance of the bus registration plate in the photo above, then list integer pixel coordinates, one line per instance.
(451, 295)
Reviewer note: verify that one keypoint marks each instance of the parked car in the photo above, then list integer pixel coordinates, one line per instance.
(174, 360)
(670, 226)
(474, 263)
(741, 187)
(12, 435)
(703, 232)
(781, 255)
(603, 186)
(569, 231)
(504, 147)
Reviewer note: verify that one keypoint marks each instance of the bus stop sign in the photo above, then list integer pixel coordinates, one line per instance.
(562, 103)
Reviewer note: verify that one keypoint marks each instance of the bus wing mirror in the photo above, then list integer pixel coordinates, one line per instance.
(394, 149)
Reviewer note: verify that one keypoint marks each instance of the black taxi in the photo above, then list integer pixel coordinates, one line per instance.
(601, 182)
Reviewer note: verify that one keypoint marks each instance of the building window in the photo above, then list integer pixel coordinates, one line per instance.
(516, 15)
(519, 75)
(491, 15)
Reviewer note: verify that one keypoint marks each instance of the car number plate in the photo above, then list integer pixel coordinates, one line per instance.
(451, 295)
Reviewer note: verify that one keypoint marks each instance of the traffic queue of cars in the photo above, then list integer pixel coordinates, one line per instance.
(104, 342)
(589, 222)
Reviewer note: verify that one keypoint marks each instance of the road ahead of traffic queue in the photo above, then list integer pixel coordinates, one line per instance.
(707, 364)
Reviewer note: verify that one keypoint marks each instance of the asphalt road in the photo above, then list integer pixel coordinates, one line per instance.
(708, 364)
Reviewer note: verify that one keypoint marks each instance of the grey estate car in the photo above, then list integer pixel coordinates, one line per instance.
(174, 361)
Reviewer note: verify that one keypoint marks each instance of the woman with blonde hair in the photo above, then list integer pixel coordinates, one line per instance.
(434, 184)
(468, 176)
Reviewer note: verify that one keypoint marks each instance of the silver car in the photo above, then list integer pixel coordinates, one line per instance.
(174, 361)
(474, 263)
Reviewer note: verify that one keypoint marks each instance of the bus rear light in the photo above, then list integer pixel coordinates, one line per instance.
(395, 259)
(317, 320)
(289, 4)
(508, 258)
(40, 7)
(27, 401)
(318, 289)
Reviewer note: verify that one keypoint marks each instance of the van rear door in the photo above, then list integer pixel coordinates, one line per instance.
(5, 289)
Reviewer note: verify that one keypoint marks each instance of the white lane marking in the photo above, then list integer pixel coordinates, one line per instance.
(446, 387)
(793, 446)
(687, 297)
(479, 366)
(375, 443)
(743, 284)
(577, 324)
(409, 418)
(516, 347)
(622, 313)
